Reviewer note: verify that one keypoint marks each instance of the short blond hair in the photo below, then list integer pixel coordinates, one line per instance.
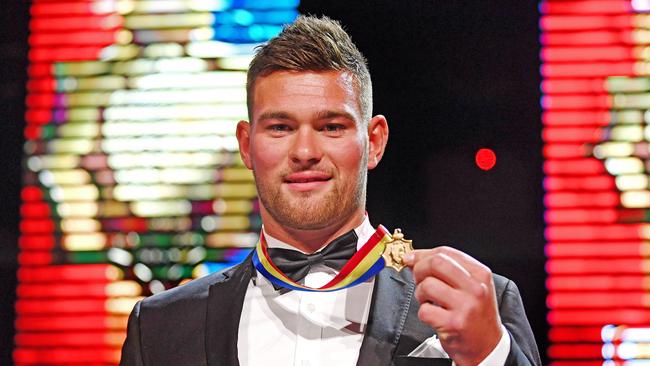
(312, 44)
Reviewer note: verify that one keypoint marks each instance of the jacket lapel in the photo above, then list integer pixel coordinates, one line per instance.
(390, 304)
(224, 306)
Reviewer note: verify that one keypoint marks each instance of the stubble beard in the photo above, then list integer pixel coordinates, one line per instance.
(305, 211)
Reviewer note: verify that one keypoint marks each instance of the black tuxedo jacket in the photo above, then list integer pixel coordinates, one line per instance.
(198, 323)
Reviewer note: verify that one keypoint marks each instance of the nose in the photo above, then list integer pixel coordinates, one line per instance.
(305, 149)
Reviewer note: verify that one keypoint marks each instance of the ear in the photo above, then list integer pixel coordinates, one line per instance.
(243, 138)
(377, 140)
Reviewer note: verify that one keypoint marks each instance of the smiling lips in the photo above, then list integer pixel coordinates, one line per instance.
(307, 180)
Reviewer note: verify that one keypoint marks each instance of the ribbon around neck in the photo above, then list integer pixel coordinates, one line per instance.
(364, 264)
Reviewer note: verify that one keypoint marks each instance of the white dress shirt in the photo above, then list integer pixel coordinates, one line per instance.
(315, 328)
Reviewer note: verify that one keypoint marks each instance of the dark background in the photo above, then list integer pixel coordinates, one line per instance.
(451, 77)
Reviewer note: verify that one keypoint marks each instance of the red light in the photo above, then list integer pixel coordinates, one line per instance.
(598, 317)
(35, 209)
(61, 306)
(629, 249)
(61, 8)
(587, 38)
(41, 100)
(36, 242)
(577, 102)
(595, 300)
(68, 272)
(33, 258)
(594, 266)
(71, 322)
(570, 54)
(593, 135)
(40, 70)
(37, 226)
(597, 256)
(45, 84)
(62, 290)
(70, 339)
(67, 355)
(571, 334)
(64, 54)
(592, 69)
(573, 86)
(595, 282)
(593, 232)
(586, 7)
(103, 38)
(564, 151)
(31, 193)
(575, 351)
(50, 23)
(576, 118)
(584, 166)
(38, 116)
(585, 183)
(32, 132)
(583, 22)
(486, 159)
(578, 216)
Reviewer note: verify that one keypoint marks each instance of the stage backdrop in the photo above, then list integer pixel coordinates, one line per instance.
(596, 96)
(132, 179)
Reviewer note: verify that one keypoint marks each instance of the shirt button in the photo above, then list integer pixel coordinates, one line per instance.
(311, 308)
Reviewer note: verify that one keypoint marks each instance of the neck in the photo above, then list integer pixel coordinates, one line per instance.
(309, 241)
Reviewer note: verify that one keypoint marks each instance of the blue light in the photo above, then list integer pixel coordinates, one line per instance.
(243, 17)
(213, 267)
(265, 4)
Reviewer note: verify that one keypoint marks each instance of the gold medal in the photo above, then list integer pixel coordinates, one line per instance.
(395, 250)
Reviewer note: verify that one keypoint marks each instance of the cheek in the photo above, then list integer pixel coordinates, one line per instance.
(349, 157)
(266, 156)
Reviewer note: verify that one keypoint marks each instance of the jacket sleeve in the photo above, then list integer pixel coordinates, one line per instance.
(131, 351)
(523, 348)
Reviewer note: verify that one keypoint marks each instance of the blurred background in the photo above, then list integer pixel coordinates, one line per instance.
(517, 135)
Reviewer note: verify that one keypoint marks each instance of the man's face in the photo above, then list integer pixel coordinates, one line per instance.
(308, 148)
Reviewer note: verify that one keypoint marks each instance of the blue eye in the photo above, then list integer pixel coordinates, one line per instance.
(334, 127)
(279, 128)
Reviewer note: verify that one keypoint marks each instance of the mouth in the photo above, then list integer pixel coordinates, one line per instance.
(307, 180)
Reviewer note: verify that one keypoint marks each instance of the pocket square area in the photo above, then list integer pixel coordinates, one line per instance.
(430, 348)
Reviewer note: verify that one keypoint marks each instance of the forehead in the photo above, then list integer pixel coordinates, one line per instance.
(305, 90)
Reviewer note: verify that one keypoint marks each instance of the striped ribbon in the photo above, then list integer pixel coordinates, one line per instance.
(364, 264)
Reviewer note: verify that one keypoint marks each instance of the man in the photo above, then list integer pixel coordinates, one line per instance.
(310, 141)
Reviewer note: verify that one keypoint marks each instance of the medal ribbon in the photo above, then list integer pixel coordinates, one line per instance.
(364, 264)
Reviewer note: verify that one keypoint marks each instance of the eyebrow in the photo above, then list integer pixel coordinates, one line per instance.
(325, 114)
(329, 114)
(274, 115)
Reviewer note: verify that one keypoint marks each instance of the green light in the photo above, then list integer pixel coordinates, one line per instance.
(87, 257)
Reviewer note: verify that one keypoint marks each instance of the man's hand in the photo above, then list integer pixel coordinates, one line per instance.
(458, 300)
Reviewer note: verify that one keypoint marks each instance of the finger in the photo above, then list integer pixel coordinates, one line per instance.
(432, 290)
(411, 258)
(433, 315)
(471, 264)
(444, 268)
(466, 261)
(476, 269)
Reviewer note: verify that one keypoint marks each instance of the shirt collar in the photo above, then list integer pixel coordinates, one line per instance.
(363, 231)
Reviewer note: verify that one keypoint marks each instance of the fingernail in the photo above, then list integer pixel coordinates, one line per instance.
(409, 258)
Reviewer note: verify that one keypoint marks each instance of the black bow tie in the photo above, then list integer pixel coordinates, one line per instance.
(296, 265)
